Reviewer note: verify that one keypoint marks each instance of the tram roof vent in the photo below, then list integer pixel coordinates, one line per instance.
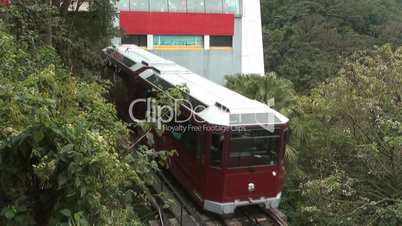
(222, 107)
(157, 70)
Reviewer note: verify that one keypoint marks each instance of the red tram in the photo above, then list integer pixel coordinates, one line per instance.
(231, 148)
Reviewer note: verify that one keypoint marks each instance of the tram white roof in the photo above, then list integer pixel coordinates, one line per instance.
(223, 106)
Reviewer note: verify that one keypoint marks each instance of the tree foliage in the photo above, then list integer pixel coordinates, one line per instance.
(305, 41)
(77, 36)
(351, 147)
(269, 89)
(64, 157)
(346, 142)
(347, 127)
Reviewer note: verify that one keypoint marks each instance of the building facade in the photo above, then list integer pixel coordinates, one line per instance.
(213, 38)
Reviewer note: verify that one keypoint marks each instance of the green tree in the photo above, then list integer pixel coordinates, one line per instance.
(305, 41)
(64, 156)
(350, 143)
(268, 89)
(78, 37)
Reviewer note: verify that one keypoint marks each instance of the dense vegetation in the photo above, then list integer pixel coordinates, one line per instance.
(349, 142)
(335, 68)
(306, 41)
(77, 37)
(64, 154)
(344, 160)
(336, 71)
(61, 145)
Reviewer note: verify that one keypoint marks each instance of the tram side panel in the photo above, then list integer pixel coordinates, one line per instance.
(187, 166)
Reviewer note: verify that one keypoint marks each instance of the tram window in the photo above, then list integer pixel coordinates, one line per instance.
(159, 82)
(151, 93)
(253, 147)
(191, 142)
(194, 104)
(139, 40)
(186, 135)
(126, 61)
(216, 153)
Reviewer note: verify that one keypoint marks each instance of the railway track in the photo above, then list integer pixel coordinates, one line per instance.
(181, 211)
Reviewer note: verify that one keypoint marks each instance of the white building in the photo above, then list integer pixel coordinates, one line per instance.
(213, 38)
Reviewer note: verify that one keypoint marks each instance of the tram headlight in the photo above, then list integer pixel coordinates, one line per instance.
(251, 187)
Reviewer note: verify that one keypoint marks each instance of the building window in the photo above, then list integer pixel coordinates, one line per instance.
(213, 6)
(139, 5)
(159, 5)
(177, 6)
(181, 41)
(191, 6)
(231, 6)
(195, 6)
(124, 5)
(139, 40)
(221, 41)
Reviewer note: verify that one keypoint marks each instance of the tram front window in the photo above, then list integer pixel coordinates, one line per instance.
(253, 148)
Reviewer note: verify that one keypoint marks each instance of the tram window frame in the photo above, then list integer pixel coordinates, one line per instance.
(236, 158)
(128, 62)
(217, 144)
(189, 138)
(191, 141)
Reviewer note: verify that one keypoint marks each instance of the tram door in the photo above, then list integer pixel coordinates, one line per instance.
(214, 169)
(198, 165)
(191, 147)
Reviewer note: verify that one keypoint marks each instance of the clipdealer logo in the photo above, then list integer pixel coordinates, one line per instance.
(166, 116)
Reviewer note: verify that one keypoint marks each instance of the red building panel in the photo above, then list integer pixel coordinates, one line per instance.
(4, 2)
(159, 23)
